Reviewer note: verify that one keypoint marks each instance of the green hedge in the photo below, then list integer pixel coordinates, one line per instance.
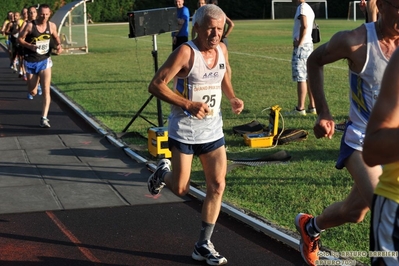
(116, 10)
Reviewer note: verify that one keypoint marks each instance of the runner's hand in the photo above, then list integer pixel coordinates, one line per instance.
(199, 109)
(324, 128)
(237, 105)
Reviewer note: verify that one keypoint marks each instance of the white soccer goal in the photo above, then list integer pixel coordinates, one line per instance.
(354, 11)
(323, 2)
(71, 22)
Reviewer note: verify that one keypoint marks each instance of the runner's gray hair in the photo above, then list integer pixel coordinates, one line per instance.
(210, 11)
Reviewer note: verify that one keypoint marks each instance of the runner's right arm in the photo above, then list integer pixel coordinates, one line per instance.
(21, 39)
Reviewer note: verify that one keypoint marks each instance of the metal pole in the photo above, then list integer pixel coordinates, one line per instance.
(85, 25)
(155, 55)
(273, 10)
(325, 6)
(354, 11)
(159, 107)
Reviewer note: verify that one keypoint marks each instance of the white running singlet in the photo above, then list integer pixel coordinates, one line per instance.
(364, 89)
(202, 84)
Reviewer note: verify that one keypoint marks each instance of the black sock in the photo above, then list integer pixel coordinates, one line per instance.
(162, 175)
(312, 228)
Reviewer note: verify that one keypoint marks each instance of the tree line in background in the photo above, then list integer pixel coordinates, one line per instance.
(116, 10)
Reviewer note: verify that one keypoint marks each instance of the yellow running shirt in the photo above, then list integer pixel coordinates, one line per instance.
(388, 186)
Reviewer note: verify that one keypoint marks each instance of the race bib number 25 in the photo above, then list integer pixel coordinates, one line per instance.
(210, 94)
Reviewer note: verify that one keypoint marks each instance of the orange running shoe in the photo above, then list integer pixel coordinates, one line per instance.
(309, 246)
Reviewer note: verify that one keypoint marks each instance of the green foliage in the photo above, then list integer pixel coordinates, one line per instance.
(110, 10)
(101, 10)
(150, 4)
(115, 11)
(16, 6)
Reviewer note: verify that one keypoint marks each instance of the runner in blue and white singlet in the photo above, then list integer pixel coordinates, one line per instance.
(202, 84)
(367, 50)
(364, 90)
(199, 70)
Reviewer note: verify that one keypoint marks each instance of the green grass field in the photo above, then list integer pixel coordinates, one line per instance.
(110, 83)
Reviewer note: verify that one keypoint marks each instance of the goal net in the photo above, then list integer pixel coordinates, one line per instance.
(286, 9)
(354, 12)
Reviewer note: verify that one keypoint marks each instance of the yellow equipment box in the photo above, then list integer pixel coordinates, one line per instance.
(265, 139)
(258, 140)
(158, 142)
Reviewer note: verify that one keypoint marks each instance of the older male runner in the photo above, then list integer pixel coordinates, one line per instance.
(195, 126)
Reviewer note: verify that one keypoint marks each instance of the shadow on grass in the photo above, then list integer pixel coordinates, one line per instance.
(130, 81)
(312, 155)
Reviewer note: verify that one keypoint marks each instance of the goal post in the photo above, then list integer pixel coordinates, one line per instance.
(308, 1)
(354, 11)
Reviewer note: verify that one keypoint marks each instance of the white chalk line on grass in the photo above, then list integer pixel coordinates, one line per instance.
(277, 58)
(165, 43)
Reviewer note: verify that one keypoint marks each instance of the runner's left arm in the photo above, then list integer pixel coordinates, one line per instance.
(56, 37)
(237, 105)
